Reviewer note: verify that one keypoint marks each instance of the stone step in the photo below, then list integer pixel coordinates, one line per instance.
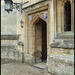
(40, 65)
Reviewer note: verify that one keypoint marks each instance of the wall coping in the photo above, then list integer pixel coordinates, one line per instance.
(10, 37)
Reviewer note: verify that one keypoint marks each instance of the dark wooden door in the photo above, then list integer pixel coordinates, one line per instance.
(44, 41)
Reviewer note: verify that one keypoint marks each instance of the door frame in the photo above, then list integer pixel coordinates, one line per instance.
(37, 15)
(34, 21)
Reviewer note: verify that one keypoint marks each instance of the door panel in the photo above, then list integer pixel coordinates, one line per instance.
(38, 41)
(44, 41)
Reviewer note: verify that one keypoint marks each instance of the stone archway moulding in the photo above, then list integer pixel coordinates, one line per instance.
(37, 18)
(30, 25)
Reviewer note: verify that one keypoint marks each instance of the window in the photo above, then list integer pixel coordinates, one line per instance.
(67, 20)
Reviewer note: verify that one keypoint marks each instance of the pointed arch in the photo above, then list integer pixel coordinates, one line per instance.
(37, 18)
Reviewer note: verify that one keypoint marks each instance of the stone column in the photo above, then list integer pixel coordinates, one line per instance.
(30, 37)
(27, 34)
(24, 28)
(54, 7)
(52, 24)
(62, 22)
(72, 15)
(33, 38)
(26, 16)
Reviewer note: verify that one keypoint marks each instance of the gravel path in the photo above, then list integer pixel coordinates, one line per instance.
(20, 69)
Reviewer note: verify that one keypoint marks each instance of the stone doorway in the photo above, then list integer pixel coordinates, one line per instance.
(41, 41)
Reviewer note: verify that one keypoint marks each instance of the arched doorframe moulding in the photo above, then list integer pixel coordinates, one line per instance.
(37, 18)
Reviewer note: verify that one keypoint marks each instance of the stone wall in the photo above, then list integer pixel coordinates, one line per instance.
(8, 21)
(61, 58)
(61, 61)
(28, 30)
(31, 2)
(9, 48)
(9, 37)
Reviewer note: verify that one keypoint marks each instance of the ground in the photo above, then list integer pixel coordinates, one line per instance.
(18, 68)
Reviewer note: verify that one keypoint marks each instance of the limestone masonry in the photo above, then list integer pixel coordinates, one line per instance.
(46, 35)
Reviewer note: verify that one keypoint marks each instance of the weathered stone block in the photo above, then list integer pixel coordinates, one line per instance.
(16, 55)
(60, 65)
(30, 59)
(20, 56)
